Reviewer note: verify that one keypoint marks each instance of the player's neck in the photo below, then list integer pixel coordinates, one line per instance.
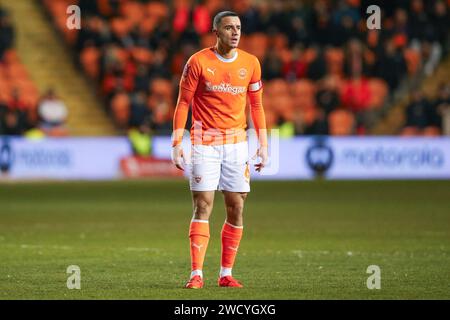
(225, 52)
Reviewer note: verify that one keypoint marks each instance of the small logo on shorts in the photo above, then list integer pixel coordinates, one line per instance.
(198, 179)
(247, 173)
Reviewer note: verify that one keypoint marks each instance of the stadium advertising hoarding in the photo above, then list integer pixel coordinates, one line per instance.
(297, 158)
(390, 158)
(62, 158)
(349, 157)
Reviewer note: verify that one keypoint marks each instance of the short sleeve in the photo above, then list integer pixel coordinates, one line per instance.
(255, 81)
(191, 74)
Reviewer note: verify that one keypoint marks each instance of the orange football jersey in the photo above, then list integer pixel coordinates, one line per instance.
(220, 89)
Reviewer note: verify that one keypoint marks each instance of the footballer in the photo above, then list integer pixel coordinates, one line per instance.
(216, 82)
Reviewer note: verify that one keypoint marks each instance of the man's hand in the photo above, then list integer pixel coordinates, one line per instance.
(178, 157)
(262, 153)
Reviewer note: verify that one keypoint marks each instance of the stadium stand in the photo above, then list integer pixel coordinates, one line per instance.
(135, 51)
(18, 93)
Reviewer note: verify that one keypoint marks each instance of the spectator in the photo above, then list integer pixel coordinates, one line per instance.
(11, 123)
(441, 18)
(13, 115)
(249, 16)
(442, 108)
(301, 34)
(142, 79)
(317, 68)
(419, 25)
(356, 94)
(322, 28)
(139, 109)
(18, 109)
(6, 34)
(320, 124)
(52, 114)
(286, 128)
(327, 96)
(418, 114)
(391, 65)
(272, 65)
(141, 139)
(355, 60)
(296, 67)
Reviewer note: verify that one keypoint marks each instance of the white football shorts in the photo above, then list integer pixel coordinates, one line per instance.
(220, 167)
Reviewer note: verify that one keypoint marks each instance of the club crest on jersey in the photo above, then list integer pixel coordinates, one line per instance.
(198, 179)
(242, 73)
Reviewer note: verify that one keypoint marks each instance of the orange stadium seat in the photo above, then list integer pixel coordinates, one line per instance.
(276, 87)
(213, 5)
(267, 101)
(207, 40)
(409, 132)
(148, 24)
(160, 89)
(309, 115)
(303, 87)
(90, 60)
(120, 107)
(278, 41)
(161, 86)
(303, 92)
(379, 91)
(244, 42)
(120, 26)
(341, 122)
(285, 55)
(159, 10)
(133, 11)
(413, 60)
(335, 60)
(283, 105)
(309, 55)
(142, 55)
(10, 56)
(17, 71)
(271, 119)
(431, 131)
(258, 44)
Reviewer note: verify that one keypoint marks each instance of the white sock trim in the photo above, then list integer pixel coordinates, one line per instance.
(225, 272)
(232, 225)
(198, 220)
(197, 273)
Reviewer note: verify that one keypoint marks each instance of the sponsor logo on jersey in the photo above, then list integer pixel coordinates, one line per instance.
(225, 88)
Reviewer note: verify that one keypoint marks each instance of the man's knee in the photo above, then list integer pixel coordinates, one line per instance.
(235, 204)
(202, 205)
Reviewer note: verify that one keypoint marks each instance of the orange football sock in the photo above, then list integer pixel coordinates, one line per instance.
(199, 237)
(231, 236)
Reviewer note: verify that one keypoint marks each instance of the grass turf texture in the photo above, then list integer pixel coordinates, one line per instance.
(302, 240)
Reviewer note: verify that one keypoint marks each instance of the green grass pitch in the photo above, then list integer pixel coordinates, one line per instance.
(302, 240)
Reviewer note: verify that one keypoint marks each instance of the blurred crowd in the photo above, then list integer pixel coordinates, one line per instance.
(22, 110)
(324, 72)
(429, 116)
